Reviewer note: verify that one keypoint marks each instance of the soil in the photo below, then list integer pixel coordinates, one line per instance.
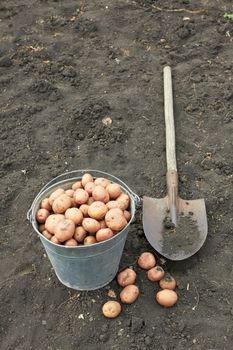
(66, 66)
(182, 240)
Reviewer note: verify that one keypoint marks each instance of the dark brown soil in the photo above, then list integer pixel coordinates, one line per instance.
(64, 67)
(182, 240)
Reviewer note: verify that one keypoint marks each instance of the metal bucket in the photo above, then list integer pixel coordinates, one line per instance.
(86, 267)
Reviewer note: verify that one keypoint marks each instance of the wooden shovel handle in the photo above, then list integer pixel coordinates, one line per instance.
(169, 120)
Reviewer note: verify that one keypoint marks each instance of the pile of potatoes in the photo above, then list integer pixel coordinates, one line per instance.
(166, 297)
(91, 211)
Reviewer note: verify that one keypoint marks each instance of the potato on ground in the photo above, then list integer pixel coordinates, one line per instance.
(115, 219)
(111, 309)
(52, 221)
(42, 215)
(166, 297)
(167, 282)
(146, 260)
(126, 277)
(61, 204)
(64, 230)
(103, 234)
(155, 274)
(114, 190)
(97, 210)
(129, 294)
(75, 215)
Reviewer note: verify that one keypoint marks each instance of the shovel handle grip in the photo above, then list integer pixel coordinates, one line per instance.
(169, 120)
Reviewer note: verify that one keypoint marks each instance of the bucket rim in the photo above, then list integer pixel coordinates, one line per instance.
(134, 198)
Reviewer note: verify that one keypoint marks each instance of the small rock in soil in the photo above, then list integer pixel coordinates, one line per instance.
(81, 137)
(181, 326)
(183, 33)
(5, 62)
(103, 337)
(148, 340)
(104, 328)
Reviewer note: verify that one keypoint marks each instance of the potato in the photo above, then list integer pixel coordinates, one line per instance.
(89, 240)
(97, 210)
(90, 200)
(52, 222)
(47, 234)
(42, 215)
(55, 240)
(80, 234)
(167, 282)
(71, 243)
(76, 185)
(123, 201)
(75, 215)
(101, 181)
(84, 209)
(90, 225)
(73, 203)
(115, 219)
(103, 234)
(113, 204)
(102, 224)
(61, 204)
(89, 187)
(114, 190)
(55, 194)
(86, 178)
(64, 230)
(81, 196)
(69, 193)
(100, 194)
(111, 309)
(41, 228)
(126, 277)
(129, 294)
(127, 215)
(146, 261)
(155, 274)
(166, 297)
(45, 204)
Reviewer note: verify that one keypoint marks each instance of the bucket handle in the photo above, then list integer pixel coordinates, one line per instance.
(63, 176)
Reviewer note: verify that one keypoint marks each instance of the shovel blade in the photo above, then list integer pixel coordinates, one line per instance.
(186, 238)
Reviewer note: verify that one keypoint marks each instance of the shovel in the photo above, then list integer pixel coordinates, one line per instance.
(175, 227)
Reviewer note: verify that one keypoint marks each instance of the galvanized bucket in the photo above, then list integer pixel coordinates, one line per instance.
(86, 267)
